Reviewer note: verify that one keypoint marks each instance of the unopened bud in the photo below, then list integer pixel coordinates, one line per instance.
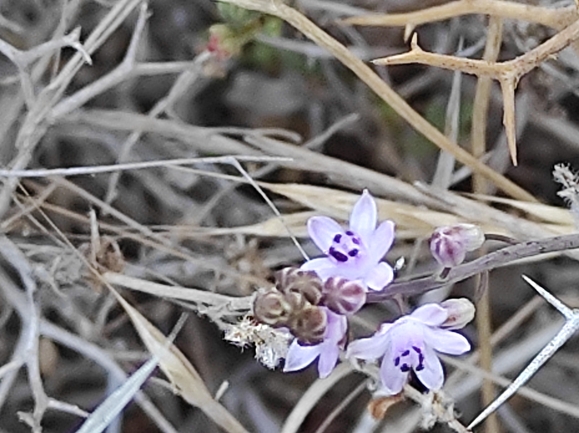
(296, 301)
(343, 296)
(450, 244)
(296, 280)
(309, 325)
(271, 308)
(460, 312)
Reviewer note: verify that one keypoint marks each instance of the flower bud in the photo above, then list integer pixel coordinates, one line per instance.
(309, 325)
(296, 301)
(450, 244)
(305, 282)
(272, 308)
(343, 296)
(460, 312)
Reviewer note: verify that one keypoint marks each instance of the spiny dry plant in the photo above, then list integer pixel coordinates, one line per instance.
(163, 162)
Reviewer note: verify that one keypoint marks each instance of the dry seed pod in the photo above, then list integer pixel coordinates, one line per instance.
(296, 301)
(305, 282)
(309, 325)
(343, 296)
(272, 308)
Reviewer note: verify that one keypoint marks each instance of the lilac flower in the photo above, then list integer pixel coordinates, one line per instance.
(300, 356)
(356, 253)
(411, 343)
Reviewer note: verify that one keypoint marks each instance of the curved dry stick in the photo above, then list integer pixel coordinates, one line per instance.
(556, 18)
(385, 92)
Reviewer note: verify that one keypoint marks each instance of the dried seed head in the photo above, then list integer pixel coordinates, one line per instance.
(450, 244)
(272, 308)
(460, 313)
(309, 325)
(343, 296)
(305, 282)
(297, 301)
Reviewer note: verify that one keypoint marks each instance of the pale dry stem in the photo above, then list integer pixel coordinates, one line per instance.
(478, 145)
(35, 122)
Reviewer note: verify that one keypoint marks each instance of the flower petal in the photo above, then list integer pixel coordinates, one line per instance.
(369, 348)
(299, 356)
(381, 240)
(431, 375)
(392, 377)
(328, 359)
(430, 314)
(445, 341)
(364, 215)
(336, 327)
(322, 266)
(380, 276)
(322, 231)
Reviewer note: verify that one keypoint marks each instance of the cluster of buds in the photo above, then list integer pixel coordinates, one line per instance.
(315, 301)
(298, 299)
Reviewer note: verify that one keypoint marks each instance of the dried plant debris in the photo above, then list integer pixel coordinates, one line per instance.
(230, 215)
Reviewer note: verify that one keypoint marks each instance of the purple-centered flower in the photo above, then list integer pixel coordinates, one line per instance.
(411, 343)
(356, 253)
(328, 351)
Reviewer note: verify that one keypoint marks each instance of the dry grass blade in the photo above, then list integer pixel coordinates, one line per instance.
(240, 305)
(183, 376)
(102, 416)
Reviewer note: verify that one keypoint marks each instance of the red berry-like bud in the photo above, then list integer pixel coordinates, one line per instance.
(343, 296)
(449, 245)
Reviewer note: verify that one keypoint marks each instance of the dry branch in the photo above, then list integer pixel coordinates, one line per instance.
(385, 92)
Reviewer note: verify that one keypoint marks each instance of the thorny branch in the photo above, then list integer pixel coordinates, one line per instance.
(35, 123)
(23, 59)
(506, 73)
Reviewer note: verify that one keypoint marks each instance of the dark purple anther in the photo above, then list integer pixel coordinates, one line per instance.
(396, 361)
(404, 368)
(341, 257)
(420, 367)
(406, 353)
(349, 233)
(353, 253)
(417, 350)
(356, 241)
(338, 238)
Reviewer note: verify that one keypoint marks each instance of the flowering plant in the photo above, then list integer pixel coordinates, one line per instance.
(356, 253)
(411, 343)
(315, 301)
